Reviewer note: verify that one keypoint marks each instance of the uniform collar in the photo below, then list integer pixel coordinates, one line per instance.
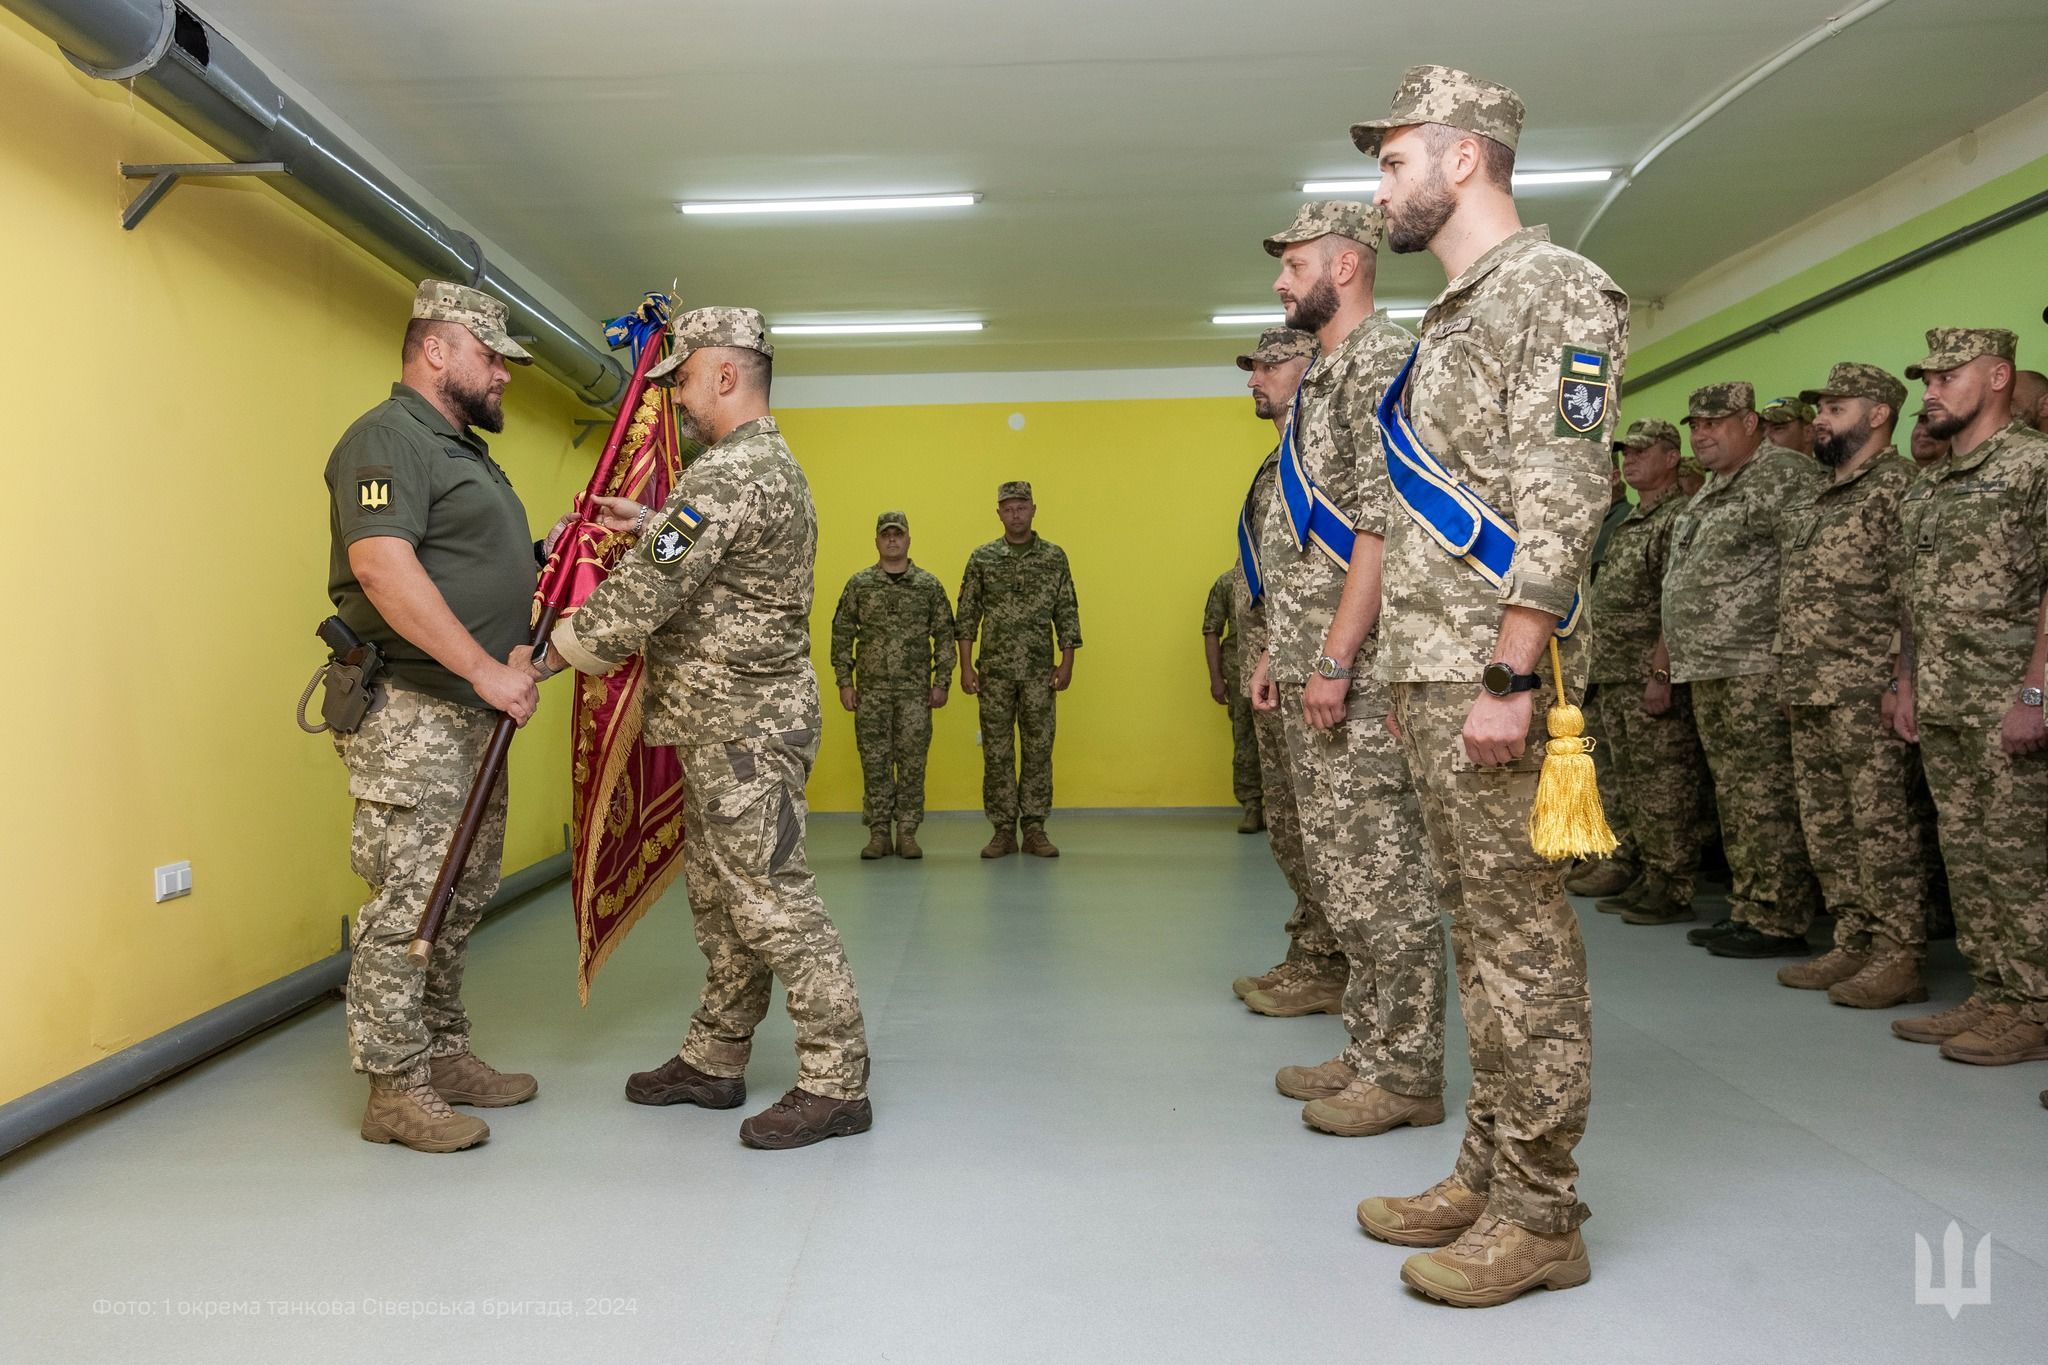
(1494, 256)
(1986, 448)
(760, 426)
(1889, 452)
(1325, 364)
(415, 405)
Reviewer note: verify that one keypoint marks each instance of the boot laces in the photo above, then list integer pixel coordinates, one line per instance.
(429, 1099)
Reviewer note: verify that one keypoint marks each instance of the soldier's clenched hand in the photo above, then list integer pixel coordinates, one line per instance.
(508, 689)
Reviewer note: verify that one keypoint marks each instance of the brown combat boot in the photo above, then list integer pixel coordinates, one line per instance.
(675, 1081)
(1314, 1082)
(800, 1118)
(878, 844)
(466, 1078)
(1300, 990)
(906, 843)
(416, 1116)
(1254, 818)
(1496, 1261)
(1656, 905)
(2001, 1038)
(1891, 977)
(1600, 877)
(1819, 973)
(1625, 899)
(1434, 1218)
(1036, 844)
(1002, 845)
(1362, 1109)
(1939, 1028)
(1245, 985)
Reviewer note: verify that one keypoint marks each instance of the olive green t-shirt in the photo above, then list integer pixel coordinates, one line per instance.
(402, 470)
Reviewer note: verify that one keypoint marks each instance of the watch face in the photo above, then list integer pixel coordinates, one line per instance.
(1498, 678)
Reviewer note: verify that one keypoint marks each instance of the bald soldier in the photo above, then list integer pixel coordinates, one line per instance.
(1310, 979)
(2030, 399)
(1974, 554)
(1508, 398)
(1360, 825)
(717, 592)
(1788, 423)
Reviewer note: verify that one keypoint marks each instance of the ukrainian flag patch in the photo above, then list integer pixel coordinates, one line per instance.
(674, 535)
(1584, 386)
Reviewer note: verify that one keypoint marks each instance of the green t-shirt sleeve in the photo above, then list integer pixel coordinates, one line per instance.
(380, 488)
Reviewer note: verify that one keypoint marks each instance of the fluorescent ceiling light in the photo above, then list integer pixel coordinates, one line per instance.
(1278, 319)
(1523, 180)
(1406, 314)
(864, 329)
(894, 201)
(1339, 186)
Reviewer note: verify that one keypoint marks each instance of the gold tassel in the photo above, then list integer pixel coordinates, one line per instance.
(1566, 820)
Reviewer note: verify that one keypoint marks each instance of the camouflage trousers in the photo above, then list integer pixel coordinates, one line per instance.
(1994, 830)
(410, 768)
(893, 731)
(1245, 784)
(1361, 831)
(1856, 780)
(1521, 963)
(755, 909)
(1747, 739)
(1601, 725)
(1017, 720)
(1308, 931)
(1661, 776)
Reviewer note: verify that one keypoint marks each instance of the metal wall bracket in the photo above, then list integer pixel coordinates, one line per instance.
(162, 177)
(588, 425)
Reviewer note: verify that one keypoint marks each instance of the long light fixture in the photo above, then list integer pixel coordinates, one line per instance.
(1278, 319)
(1523, 180)
(871, 204)
(868, 329)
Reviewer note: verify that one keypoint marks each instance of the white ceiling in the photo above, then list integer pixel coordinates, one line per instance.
(1131, 156)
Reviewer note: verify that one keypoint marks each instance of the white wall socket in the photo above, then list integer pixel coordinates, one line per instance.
(172, 881)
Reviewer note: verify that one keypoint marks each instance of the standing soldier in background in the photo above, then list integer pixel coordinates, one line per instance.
(892, 657)
(1927, 448)
(1975, 558)
(1788, 424)
(1226, 685)
(1621, 869)
(1018, 596)
(1510, 393)
(1310, 979)
(431, 562)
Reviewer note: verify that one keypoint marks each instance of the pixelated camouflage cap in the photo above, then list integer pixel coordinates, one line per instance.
(1454, 98)
(1791, 408)
(1014, 490)
(1321, 217)
(1277, 344)
(1718, 400)
(1853, 380)
(895, 519)
(484, 316)
(1689, 463)
(1649, 432)
(1948, 347)
(703, 327)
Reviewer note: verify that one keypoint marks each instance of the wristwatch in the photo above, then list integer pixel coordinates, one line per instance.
(2030, 696)
(1327, 667)
(1501, 680)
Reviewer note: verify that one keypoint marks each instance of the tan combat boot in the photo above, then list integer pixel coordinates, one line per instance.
(1496, 1261)
(2001, 1038)
(1434, 1218)
(1037, 845)
(1891, 977)
(416, 1116)
(1939, 1028)
(906, 843)
(1362, 1109)
(1002, 845)
(878, 844)
(1819, 973)
(1245, 985)
(1600, 877)
(1314, 1082)
(1254, 818)
(1300, 990)
(466, 1078)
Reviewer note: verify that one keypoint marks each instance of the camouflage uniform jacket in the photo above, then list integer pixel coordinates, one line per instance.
(1216, 611)
(1337, 438)
(1840, 595)
(903, 626)
(1974, 560)
(1018, 598)
(718, 594)
(1487, 396)
(1721, 591)
(1249, 617)
(1626, 613)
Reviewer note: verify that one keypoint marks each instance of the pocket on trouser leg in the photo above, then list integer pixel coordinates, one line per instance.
(382, 824)
(1558, 1066)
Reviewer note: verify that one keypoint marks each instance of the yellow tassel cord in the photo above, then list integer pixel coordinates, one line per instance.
(1566, 820)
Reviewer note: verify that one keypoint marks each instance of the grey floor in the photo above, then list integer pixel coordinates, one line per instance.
(1078, 1156)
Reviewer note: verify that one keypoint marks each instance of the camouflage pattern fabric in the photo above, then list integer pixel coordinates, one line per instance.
(483, 315)
(893, 634)
(755, 909)
(1362, 223)
(1249, 618)
(1309, 938)
(741, 328)
(1748, 743)
(1601, 726)
(1721, 588)
(1840, 597)
(893, 732)
(1454, 98)
(410, 767)
(1950, 347)
(1018, 599)
(1855, 781)
(1019, 717)
(1662, 778)
(1219, 620)
(1626, 607)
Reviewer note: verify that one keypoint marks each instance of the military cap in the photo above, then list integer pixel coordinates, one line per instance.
(1788, 409)
(1277, 344)
(895, 520)
(1014, 489)
(1852, 380)
(1456, 99)
(1649, 432)
(702, 327)
(1690, 463)
(1719, 400)
(1321, 217)
(1948, 347)
(484, 316)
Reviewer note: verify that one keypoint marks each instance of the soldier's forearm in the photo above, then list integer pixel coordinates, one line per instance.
(1212, 649)
(2038, 663)
(1358, 608)
(1523, 632)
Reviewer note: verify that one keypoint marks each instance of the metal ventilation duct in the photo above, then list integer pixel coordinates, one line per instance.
(177, 62)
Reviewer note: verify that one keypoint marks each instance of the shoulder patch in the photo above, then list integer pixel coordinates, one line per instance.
(373, 489)
(672, 537)
(1584, 384)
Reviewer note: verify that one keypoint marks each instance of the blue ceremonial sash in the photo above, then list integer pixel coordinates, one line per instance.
(1452, 515)
(1312, 519)
(1248, 547)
